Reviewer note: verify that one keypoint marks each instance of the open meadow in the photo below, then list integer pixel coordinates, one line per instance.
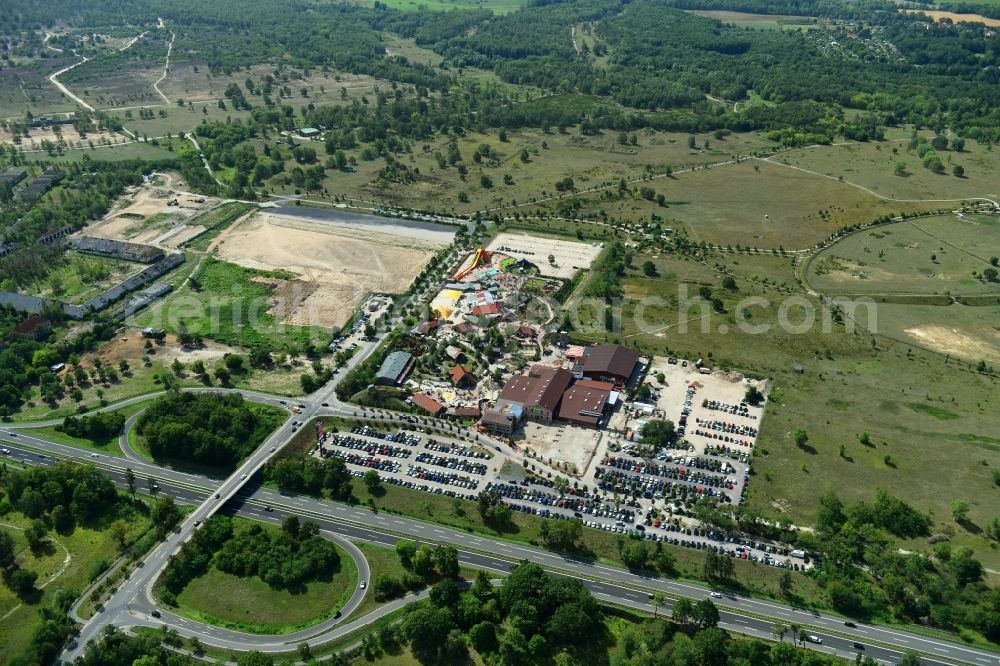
(873, 164)
(931, 255)
(931, 420)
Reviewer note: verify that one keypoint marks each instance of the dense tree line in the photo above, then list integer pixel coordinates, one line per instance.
(62, 495)
(25, 363)
(208, 428)
(329, 477)
(867, 576)
(96, 427)
(288, 559)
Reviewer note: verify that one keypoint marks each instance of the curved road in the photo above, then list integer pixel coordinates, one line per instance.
(742, 614)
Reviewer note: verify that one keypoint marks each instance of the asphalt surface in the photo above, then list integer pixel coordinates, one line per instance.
(238, 493)
(738, 614)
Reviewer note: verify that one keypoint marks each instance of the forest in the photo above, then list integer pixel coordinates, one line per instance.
(207, 428)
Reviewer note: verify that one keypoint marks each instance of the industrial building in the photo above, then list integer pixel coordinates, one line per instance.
(394, 368)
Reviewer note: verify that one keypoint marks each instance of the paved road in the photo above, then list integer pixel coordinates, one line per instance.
(617, 585)
(608, 583)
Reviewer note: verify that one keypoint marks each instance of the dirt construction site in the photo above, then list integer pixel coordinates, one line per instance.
(154, 213)
(336, 265)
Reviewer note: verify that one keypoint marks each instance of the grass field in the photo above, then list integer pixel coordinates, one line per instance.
(760, 21)
(107, 446)
(249, 604)
(78, 277)
(591, 161)
(228, 307)
(114, 152)
(872, 165)
(88, 547)
(934, 255)
(498, 6)
(851, 382)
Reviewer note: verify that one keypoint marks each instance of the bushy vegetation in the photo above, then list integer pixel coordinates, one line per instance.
(867, 576)
(62, 495)
(329, 477)
(285, 560)
(206, 428)
(97, 427)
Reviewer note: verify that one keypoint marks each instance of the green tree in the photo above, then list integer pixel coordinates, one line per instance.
(372, 481)
(6, 549)
(164, 514)
(683, 611)
(960, 510)
(406, 550)
(801, 437)
(649, 269)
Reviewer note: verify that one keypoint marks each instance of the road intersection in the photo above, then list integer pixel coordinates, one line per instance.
(132, 603)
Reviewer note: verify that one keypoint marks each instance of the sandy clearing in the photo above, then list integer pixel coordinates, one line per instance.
(570, 256)
(336, 266)
(958, 342)
(955, 18)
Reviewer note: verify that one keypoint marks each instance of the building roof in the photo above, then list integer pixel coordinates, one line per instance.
(393, 366)
(458, 373)
(464, 327)
(30, 324)
(427, 403)
(504, 414)
(428, 326)
(463, 412)
(594, 384)
(454, 352)
(525, 331)
(485, 310)
(610, 360)
(583, 403)
(542, 386)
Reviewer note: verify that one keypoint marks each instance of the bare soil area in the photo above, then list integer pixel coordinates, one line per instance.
(957, 342)
(568, 256)
(336, 266)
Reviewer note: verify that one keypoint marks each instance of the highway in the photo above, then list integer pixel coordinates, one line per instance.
(744, 615)
(131, 603)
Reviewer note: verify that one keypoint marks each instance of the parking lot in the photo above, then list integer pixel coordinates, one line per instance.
(626, 488)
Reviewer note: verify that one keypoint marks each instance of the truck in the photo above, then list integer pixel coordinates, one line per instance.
(801, 554)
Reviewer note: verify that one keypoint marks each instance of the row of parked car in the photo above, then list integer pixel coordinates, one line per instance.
(445, 448)
(727, 427)
(724, 451)
(452, 462)
(682, 462)
(367, 445)
(445, 478)
(621, 483)
(741, 409)
(429, 489)
(722, 438)
(372, 462)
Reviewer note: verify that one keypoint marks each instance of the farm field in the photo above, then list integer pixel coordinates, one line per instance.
(936, 255)
(762, 21)
(959, 18)
(498, 6)
(872, 165)
(328, 268)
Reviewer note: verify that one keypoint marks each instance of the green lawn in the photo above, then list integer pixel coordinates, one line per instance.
(250, 604)
(108, 446)
(230, 307)
(87, 546)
